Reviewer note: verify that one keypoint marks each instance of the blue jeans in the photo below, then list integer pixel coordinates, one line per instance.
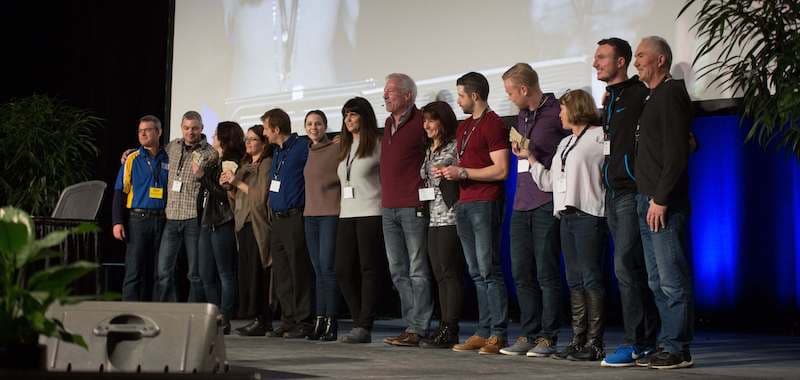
(405, 236)
(217, 248)
(179, 234)
(321, 243)
(639, 313)
(668, 274)
(478, 225)
(584, 240)
(144, 237)
(535, 248)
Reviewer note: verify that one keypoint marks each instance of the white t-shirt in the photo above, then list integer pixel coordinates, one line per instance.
(580, 183)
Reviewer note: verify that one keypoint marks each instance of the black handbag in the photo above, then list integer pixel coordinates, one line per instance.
(450, 192)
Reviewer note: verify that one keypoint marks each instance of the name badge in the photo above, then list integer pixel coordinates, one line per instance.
(427, 194)
(523, 166)
(275, 186)
(561, 185)
(606, 147)
(156, 193)
(348, 193)
(176, 186)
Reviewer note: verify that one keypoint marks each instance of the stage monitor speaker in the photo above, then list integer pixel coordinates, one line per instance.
(139, 337)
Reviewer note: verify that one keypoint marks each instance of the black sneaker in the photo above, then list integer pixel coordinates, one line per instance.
(571, 349)
(279, 332)
(644, 357)
(592, 351)
(671, 360)
(299, 331)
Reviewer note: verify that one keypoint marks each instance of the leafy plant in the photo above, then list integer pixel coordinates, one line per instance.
(755, 45)
(45, 146)
(26, 294)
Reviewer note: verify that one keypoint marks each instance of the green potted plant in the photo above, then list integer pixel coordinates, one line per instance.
(48, 145)
(26, 293)
(754, 48)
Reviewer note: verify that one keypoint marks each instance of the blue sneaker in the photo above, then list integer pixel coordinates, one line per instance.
(623, 356)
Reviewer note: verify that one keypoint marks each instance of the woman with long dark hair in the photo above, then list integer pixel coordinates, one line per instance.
(248, 185)
(360, 261)
(444, 247)
(217, 242)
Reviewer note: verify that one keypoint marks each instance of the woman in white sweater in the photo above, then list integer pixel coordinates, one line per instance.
(360, 261)
(578, 198)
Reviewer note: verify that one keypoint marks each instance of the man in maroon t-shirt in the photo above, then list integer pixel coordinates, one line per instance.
(482, 151)
(405, 222)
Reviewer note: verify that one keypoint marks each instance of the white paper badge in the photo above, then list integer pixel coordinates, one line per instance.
(176, 186)
(606, 147)
(523, 165)
(347, 192)
(275, 186)
(427, 194)
(561, 185)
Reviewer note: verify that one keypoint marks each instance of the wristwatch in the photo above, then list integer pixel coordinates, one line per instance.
(462, 174)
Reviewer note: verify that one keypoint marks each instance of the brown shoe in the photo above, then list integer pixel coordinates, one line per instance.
(493, 345)
(392, 339)
(473, 343)
(411, 340)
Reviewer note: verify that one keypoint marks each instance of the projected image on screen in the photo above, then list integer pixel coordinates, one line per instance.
(234, 59)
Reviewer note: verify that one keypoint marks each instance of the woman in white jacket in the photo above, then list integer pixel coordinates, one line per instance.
(578, 199)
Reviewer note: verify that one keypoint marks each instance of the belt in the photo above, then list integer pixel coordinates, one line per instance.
(287, 213)
(147, 212)
(569, 211)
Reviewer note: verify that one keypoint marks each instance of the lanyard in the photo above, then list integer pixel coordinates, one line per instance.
(639, 124)
(465, 137)
(349, 163)
(428, 166)
(184, 148)
(610, 111)
(568, 148)
(154, 171)
(285, 155)
(530, 131)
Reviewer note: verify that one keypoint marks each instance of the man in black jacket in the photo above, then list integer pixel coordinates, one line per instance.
(622, 106)
(662, 153)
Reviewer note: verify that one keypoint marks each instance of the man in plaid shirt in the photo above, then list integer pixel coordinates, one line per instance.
(182, 228)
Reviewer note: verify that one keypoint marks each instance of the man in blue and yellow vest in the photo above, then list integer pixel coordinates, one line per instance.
(141, 190)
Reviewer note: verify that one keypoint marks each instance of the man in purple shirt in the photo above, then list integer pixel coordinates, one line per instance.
(535, 242)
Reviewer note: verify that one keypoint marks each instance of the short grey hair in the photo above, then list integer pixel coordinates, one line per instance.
(193, 115)
(662, 47)
(406, 84)
(150, 119)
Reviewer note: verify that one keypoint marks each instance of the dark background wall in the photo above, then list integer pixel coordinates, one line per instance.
(109, 57)
(112, 58)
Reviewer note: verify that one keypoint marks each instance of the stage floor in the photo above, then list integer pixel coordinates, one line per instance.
(716, 356)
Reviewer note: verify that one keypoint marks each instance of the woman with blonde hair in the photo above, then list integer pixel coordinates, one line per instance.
(579, 202)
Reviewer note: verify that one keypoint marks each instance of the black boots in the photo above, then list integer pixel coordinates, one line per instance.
(319, 326)
(259, 327)
(330, 332)
(445, 337)
(595, 316)
(577, 300)
(226, 324)
(325, 329)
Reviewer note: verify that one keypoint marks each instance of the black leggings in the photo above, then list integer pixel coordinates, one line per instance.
(447, 261)
(359, 256)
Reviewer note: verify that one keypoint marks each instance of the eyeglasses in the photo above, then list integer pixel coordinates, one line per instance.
(147, 130)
